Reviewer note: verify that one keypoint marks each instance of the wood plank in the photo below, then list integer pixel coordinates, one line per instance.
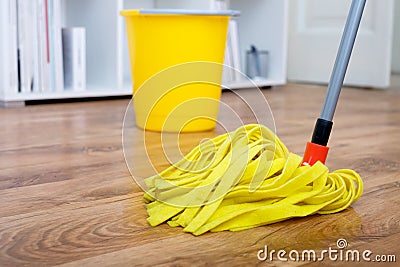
(67, 196)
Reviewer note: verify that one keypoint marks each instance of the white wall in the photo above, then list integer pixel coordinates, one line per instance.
(396, 39)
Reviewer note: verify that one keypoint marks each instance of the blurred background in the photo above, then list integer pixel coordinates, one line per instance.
(63, 49)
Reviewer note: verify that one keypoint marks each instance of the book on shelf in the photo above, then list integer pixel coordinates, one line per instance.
(35, 47)
(228, 72)
(74, 54)
(232, 54)
(232, 50)
(32, 46)
(8, 47)
(235, 49)
(43, 52)
(49, 47)
(55, 46)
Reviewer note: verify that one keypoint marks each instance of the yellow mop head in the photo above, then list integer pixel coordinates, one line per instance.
(244, 179)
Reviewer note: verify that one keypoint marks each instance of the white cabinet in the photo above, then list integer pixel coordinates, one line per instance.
(262, 23)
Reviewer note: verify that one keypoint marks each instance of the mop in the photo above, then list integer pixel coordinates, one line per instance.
(248, 177)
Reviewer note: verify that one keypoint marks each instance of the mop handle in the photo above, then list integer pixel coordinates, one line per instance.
(324, 124)
(317, 149)
(342, 59)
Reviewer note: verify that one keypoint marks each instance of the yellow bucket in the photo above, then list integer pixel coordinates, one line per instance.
(176, 61)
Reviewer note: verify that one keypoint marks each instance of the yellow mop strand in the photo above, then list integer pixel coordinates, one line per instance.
(244, 179)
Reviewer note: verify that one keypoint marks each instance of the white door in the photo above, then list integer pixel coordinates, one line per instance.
(315, 29)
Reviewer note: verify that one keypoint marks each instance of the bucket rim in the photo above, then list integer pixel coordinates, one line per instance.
(133, 12)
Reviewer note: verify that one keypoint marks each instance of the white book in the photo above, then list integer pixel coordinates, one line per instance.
(50, 32)
(35, 47)
(58, 57)
(8, 47)
(25, 45)
(227, 73)
(232, 54)
(55, 45)
(74, 58)
(235, 49)
(43, 46)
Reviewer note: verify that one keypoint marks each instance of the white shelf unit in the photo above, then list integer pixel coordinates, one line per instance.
(262, 23)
